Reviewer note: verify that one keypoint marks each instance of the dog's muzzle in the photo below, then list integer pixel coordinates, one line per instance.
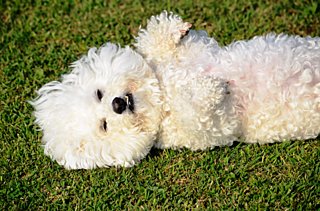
(119, 104)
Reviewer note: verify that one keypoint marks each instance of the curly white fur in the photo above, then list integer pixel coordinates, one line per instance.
(273, 80)
(184, 91)
(80, 130)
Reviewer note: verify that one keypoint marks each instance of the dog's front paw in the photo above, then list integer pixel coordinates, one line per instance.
(159, 40)
(170, 24)
(210, 93)
(184, 31)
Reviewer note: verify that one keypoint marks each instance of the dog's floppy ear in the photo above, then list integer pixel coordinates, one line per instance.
(44, 99)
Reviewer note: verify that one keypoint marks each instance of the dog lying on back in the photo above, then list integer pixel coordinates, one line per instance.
(177, 89)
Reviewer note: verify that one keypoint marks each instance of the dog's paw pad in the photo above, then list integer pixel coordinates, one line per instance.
(182, 31)
(185, 30)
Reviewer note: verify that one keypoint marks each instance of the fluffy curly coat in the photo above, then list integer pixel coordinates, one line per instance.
(185, 91)
(263, 90)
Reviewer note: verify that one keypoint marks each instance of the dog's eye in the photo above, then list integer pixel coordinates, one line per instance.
(104, 125)
(99, 94)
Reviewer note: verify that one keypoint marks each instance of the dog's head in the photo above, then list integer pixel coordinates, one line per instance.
(106, 112)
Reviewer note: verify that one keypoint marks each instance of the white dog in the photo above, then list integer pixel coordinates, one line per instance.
(184, 91)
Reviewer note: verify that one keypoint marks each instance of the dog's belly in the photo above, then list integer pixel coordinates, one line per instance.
(276, 87)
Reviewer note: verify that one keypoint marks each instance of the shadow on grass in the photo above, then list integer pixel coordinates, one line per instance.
(155, 152)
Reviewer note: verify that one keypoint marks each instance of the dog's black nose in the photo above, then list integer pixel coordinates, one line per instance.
(119, 105)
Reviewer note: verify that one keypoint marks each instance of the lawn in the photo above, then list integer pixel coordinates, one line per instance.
(39, 40)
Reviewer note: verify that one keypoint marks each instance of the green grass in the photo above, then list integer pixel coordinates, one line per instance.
(38, 41)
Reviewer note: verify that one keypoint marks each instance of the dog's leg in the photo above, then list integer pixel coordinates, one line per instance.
(159, 41)
(207, 118)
